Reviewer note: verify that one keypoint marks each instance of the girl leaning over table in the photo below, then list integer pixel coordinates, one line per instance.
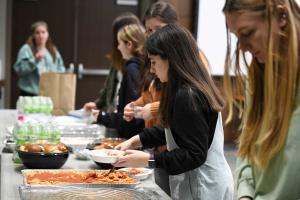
(191, 121)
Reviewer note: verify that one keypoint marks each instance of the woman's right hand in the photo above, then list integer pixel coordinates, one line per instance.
(129, 112)
(88, 107)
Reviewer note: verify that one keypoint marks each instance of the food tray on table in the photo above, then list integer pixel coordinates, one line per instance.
(86, 192)
(91, 191)
(77, 177)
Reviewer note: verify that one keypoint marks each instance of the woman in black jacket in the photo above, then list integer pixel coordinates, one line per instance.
(130, 43)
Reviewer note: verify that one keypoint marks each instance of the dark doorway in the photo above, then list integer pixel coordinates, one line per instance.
(82, 32)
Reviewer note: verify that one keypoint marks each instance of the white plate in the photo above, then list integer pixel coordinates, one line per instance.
(106, 155)
(140, 176)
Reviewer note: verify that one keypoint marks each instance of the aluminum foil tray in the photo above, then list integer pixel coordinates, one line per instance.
(84, 185)
(81, 193)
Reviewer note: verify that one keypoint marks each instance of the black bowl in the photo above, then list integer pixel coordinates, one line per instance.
(39, 160)
(104, 165)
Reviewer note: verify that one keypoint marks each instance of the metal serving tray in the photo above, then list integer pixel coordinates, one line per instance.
(71, 185)
(81, 193)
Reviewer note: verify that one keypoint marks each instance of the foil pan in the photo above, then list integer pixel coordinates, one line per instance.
(81, 193)
(72, 185)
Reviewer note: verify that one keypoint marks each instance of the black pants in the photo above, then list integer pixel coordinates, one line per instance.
(24, 93)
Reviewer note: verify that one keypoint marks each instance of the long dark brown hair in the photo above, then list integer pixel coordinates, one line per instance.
(177, 45)
(122, 20)
(49, 44)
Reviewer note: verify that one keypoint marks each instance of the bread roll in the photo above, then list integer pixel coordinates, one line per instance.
(62, 147)
(50, 148)
(33, 148)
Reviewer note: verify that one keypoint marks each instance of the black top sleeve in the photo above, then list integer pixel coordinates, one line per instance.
(131, 90)
(125, 129)
(192, 126)
(153, 137)
(128, 92)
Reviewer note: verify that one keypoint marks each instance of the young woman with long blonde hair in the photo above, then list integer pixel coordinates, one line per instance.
(269, 145)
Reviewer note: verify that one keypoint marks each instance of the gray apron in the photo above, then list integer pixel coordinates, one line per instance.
(212, 180)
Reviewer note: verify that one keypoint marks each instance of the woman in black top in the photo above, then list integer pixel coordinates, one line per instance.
(106, 100)
(131, 40)
(189, 113)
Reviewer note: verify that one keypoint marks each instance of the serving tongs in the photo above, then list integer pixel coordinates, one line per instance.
(111, 170)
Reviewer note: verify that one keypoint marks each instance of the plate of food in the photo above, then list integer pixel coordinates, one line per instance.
(139, 173)
(105, 155)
